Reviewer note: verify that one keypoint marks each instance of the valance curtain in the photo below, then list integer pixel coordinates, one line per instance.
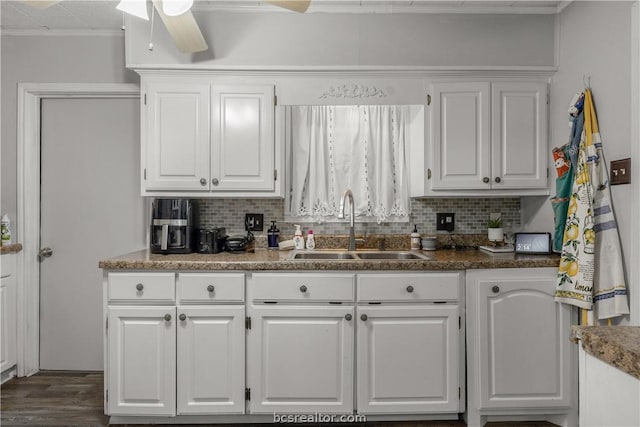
(358, 147)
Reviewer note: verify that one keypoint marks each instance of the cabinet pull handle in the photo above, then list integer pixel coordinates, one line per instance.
(182, 317)
(364, 317)
(215, 181)
(348, 316)
(495, 289)
(139, 287)
(486, 179)
(497, 179)
(167, 317)
(303, 289)
(409, 288)
(210, 288)
(203, 181)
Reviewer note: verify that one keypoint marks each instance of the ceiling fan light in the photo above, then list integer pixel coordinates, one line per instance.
(176, 7)
(134, 7)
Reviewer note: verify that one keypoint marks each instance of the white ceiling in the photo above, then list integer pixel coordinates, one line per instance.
(101, 16)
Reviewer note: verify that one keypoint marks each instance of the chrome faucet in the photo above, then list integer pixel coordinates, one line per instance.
(352, 237)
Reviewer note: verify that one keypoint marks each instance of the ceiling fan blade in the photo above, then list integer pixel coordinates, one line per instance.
(183, 29)
(300, 6)
(41, 4)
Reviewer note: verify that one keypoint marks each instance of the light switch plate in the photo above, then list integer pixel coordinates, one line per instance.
(620, 171)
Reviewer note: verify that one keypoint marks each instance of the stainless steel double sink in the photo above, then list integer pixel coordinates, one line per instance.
(358, 255)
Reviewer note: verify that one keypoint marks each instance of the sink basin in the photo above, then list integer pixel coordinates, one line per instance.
(392, 255)
(322, 255)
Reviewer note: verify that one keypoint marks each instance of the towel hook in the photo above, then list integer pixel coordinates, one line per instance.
(586, 81)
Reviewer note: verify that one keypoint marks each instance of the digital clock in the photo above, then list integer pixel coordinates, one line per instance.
(532, 243)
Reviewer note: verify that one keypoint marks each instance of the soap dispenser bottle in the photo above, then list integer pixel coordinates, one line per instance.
(415, 238)
(298, 239)
(311, 241)
(272, 236)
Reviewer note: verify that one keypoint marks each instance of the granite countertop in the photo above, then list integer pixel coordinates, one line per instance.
(618, 346)
(264, 259)
(12, 248)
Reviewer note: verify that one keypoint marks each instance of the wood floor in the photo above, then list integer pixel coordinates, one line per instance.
(53, 398)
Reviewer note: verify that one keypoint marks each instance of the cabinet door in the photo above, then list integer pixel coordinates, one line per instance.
(7, 323)
(300, 359)
(177, 136)
(520, 346)
(519, 135)
(460, 120)
(242, 138)
(211, 360)
(142, 361)
(408, 359)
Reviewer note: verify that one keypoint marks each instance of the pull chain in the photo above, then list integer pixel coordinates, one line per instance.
(153, 14)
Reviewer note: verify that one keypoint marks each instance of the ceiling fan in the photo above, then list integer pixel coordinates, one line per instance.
(177, 17)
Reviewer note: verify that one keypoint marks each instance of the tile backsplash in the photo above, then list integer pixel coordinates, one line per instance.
(471, 215)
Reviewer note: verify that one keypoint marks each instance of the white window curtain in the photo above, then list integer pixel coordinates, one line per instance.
(358, 147)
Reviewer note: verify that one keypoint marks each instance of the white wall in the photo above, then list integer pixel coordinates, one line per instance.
(289, 39)
(594, 40)
(50, 59)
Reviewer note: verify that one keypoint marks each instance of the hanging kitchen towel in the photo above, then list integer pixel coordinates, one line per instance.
(610, 292)
(577, 261)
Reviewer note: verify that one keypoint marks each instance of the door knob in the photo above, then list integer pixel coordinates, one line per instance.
(44, 253)
(409, 288)
(215, 181)
(486, 179)
(348, 316)
(364, 317)
(182, 317)
(210, 288)
(497, 179)
(167, 317)
(203, 181)
(303, 289)
(139, 287)
(495, 289)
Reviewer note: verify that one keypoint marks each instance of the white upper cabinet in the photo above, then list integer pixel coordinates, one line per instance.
(202, 138)
(487, 138)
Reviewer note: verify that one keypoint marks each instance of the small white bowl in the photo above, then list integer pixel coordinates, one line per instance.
(428, 243)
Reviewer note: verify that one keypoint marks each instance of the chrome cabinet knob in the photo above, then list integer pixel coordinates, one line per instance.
(495, 289)
(167, 317)
(210, 288)
(182, 317)
(203, 181)
(486, 179)
(409, 288)
(498, 179)
(348, 316)
(139, 287)
(215, 181)
(303, 289)
(364, 317)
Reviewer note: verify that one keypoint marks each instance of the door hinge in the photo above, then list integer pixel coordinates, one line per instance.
(275, 100)
(459, 393)
(547, 172)
(429, 173)
(247, 394)
(247, 322)
(106, 325)
(145, 99)
(548, 97)
(459, 322)
(275, 174)
(145, 174)
(107, 395)
(428, 99)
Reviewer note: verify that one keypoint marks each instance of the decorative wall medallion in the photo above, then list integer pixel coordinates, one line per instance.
(353, 91)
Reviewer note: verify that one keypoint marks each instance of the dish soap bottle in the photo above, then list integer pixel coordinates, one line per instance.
(298, 240)
(6, 230)
(415, 238)
(272, 236)
(311, 241)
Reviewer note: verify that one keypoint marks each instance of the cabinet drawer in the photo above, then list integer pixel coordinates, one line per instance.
(142, 287)
(302, 287)
(409, 287)
(210, 287)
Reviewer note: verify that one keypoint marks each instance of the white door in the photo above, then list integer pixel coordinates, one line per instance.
(142, 361)
(176, 136)
(460, 120)
(90, 209)
(524, 350)
(211, 360)
(300, 359)
(408, 359)
(242, 138)
(519, 135)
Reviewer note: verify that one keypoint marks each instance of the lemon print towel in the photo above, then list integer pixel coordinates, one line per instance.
(591, 274)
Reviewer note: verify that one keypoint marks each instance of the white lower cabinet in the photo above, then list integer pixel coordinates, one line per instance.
(142, 361)
(8, 317)
(300, 359)
(520, 361)
(408, 359)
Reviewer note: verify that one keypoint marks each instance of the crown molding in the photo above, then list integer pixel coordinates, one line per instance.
(69, 32)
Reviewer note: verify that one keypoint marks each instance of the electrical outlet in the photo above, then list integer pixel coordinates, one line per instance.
(445, 221)
(621, 171)
(253, 222)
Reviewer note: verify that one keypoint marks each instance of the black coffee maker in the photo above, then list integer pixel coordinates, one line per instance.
(173, 225)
